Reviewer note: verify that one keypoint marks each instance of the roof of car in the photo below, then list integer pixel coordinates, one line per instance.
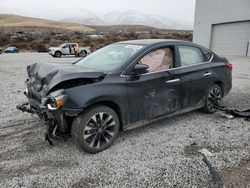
(148, 42)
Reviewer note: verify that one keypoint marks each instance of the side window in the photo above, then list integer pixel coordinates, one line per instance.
(190, 55)
(160, 59)
(207, 55)
(66, 46)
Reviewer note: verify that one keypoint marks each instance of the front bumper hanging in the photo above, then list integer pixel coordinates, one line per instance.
(233, 112)
(25, 107)
(51, 126)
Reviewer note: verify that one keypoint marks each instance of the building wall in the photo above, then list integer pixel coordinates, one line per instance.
(209, 12)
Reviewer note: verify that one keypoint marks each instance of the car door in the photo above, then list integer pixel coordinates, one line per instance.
(196, 75)
(66, 49)
(156, 92)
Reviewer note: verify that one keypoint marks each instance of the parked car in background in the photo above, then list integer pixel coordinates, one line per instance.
(69, 49)
(123, 86)
(11, 50)
(42, 50)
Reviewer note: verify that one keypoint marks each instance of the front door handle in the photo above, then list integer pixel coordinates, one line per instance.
(207, 74)
(173, 81)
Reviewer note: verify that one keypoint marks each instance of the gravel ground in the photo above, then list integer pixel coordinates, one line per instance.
(163, 154)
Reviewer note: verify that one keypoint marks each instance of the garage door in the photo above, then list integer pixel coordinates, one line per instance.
(231, 39)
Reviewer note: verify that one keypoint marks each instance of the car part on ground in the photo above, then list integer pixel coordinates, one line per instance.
(115, 78)
(232, 112)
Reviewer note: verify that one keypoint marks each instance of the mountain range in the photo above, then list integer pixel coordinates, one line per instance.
(130, 17)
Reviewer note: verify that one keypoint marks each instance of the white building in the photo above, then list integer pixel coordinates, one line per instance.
(223, 26)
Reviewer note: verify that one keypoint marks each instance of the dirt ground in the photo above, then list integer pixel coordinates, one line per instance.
(163, 154)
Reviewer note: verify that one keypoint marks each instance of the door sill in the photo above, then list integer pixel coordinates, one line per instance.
(146, 122)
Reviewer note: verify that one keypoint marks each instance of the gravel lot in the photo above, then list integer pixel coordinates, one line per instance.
(161, 154)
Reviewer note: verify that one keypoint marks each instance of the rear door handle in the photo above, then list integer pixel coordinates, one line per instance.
(173, 81)
(207, 74)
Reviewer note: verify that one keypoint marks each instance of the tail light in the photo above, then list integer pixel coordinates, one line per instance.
(229, 67)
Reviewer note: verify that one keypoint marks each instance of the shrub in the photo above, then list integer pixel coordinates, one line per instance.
(47, 39)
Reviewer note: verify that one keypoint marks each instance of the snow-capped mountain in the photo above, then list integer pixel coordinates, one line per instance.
(79, 15)
(130, 17)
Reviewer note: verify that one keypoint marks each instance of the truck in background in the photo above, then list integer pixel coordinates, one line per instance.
(69, 49)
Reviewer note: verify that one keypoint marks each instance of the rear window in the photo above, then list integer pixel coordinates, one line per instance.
(190, 55)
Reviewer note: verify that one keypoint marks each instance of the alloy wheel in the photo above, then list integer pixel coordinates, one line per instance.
(215, 95)
(99, 130)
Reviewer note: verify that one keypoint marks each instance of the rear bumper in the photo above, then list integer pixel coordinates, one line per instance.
(227, 86)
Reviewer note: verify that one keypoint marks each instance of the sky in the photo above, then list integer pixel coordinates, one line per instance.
(53, 9)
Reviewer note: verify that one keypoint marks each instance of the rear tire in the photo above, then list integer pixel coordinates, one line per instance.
(215, 94)
(82, 54)
(95, 129)
(58, 54)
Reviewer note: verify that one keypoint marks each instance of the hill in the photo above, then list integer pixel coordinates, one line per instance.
(134, 28)
(11, 22)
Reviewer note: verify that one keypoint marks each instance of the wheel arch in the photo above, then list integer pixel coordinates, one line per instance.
(221, 84)
(82, 50)
(113, 105)
(57, 51)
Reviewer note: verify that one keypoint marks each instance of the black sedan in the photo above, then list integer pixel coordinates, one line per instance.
(123, 86)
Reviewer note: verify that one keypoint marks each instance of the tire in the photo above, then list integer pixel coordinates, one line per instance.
(58, 54)
(91, 133)
(214, 93)
(82, 53)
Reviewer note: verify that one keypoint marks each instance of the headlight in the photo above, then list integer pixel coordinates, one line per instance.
(56, 102)
(59, 101)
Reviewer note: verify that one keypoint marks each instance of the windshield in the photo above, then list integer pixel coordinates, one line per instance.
(62, 45)
(109, 57)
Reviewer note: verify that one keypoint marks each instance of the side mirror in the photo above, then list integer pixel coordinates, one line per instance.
(141, 68)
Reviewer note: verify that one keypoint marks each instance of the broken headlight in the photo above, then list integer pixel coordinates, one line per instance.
(56, 102)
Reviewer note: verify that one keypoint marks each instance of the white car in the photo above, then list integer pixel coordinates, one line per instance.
(69, 49)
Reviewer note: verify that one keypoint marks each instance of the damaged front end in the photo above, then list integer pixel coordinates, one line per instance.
(52, 112)
(47, 94)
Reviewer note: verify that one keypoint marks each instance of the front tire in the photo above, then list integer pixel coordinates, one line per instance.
(214, 94)
(96, 129)
(58, 54)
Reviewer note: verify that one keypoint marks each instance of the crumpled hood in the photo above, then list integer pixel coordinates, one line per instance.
(51, 74)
